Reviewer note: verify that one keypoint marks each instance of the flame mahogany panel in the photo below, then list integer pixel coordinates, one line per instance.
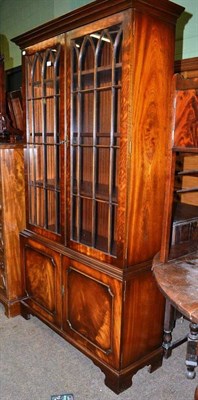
(186, 119)
(12, 201)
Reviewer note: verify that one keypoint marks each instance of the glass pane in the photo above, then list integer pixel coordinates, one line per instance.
(87, 81)
(114, 235)
(48, 73)
(74, 118)
(116, 105)
(118, 72)
(39, 164)
(104, 54)
(40, 206)
(86, 139)
(49, 116)
(87, 105)
(31, 170)
(50, 162)
(87, 54)
(37, 90)
(104, 77)
(86, 171)
(29, 122)
(74, 218)
(36, 76)
(86, 220)
(49, 87)
(102, 222)
(104, 112)
(87, 64)
(51, 210)
(74, 63)
(29, 61)
(32, 208)
(102, 173)
(37, 116)
(116, 155)
(103, 139)
(74, 169)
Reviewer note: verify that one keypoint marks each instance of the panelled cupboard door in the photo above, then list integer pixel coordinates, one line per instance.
(92, 309)
(42, 280)
(44, 127)
(98, 70)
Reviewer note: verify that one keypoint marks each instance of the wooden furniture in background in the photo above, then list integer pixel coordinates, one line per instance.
(98, 91)
(178, 281)
(15, 107)
(175, 267)
(187, 67)
(13, 79)
(184, 226)
(12, 206)
(182, 174)
(12, 220)
(14, 100)
(11, 126)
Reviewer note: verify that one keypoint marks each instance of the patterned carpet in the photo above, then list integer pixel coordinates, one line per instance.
(35, 363)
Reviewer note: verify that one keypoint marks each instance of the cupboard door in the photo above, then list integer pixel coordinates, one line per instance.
(96, 141)
(92, 310)
(43, 138)
(42, 280)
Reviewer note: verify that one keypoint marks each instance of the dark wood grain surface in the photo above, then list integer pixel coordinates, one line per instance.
(178, 281)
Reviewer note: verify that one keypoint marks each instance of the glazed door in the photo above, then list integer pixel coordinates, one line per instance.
(43, 66)
(98, 138)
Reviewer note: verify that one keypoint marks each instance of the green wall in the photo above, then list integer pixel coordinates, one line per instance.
(187, 30)
(18, 16)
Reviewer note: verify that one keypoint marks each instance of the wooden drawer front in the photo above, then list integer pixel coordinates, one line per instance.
(42, 276)
(92, 309)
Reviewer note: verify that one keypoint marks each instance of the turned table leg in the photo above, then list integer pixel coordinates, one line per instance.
(169, 323)
(192, 351)
(196, 393)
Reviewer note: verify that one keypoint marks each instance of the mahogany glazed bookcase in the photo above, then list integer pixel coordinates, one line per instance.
(97, 84)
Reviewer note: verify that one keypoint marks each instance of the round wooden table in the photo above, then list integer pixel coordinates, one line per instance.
(178, 281)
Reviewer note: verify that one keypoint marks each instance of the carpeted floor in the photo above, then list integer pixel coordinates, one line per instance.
(35, 363)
